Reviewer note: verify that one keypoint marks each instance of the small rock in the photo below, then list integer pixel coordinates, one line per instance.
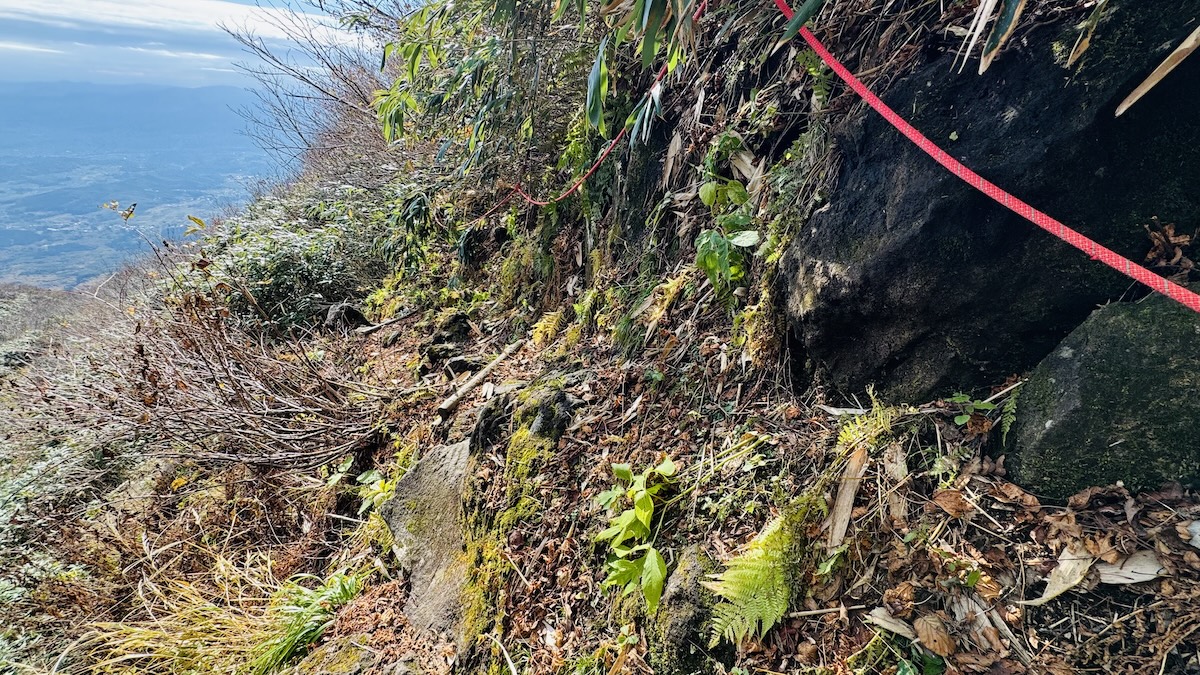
(464, 364)
(344, 317)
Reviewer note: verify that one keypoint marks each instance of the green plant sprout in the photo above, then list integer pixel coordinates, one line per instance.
(633, 561)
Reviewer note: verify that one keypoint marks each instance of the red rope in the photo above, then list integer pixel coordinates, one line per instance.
(1094, 250)
(1058, 229)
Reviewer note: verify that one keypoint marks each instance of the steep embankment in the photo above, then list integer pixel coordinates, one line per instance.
(569, 438)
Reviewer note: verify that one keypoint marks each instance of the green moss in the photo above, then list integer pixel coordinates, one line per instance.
(526, 508)
(541, 417)
(338, 657)
(483, 604)
(675, 631)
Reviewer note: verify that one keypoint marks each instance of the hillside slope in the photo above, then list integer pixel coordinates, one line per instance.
(488, 390)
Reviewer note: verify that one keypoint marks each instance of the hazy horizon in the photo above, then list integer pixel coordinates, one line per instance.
(68, 148)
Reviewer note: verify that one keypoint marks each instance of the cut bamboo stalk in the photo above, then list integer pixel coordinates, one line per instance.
(446, 407)
(843, 505)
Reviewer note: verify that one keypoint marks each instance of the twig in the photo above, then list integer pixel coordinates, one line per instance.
(819, 612)
(367, 330)
(517, 569)
(1003, 391)
(512, 667)
(448, 406)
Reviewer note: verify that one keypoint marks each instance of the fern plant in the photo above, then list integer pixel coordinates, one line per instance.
(755, 587)
(547, 328)
(1008, 415)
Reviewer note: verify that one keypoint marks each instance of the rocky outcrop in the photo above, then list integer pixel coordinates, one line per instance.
(425, 520)
(914, 281)
(677, 633)
(1118, 400)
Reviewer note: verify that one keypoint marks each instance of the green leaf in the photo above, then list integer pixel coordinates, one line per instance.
(745, 239)
(607, 497)
(623, 472)
(734, 221)
(369, 477)
(736, 192)
(984, 405)
(643, 507)
(623, 572)
(1006, 23)
(666, 468)
(801, 17)
(609, 533)
(973, 577)
(835, 557)
(197, 224)
(597, 89)
(961, 419)
(708, 193)
(654, 573)
(655, 9)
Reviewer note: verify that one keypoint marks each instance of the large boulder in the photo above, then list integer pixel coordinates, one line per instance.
(914, 281)
(1118, 400)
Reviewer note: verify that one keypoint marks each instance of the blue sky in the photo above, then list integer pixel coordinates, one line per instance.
(176, 42)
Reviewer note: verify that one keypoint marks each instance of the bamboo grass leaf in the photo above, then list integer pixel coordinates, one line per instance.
(1006, 23)
(1181, 52)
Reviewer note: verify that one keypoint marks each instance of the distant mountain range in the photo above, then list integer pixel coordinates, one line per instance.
(66, 148)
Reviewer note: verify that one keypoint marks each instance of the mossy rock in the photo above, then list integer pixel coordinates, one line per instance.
(338, 657)
(541, 415)
(677, 632)
(1118, 400)
(425, 519)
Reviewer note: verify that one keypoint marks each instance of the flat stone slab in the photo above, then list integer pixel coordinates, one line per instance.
(425, 517)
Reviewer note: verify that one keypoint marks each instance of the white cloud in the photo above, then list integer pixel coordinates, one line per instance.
(172, 15)
(175, 54)
(23, 47)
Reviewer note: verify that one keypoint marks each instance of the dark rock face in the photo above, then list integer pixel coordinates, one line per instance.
(914, 281)
(344, 317)
(1118, 400)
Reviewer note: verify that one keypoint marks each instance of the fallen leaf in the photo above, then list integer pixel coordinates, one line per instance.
(1012, 494)
(880, 617)
(1134, 569)
(933, 635)
(899, 600)
(953, 502)
(1073, 565)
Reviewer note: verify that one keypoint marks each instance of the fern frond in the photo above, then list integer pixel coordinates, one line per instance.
(585, 309)
(865, 429)
(546, 329)
(754, 588)
(1008, 415)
